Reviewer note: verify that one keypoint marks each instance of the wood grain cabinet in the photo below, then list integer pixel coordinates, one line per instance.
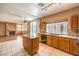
(31, 45)
(2, 29)
(49, 40)
(74, 47)
(78, 22)
(73, 22)
(55, 41)
(39, 37)
(64, 44)
(42, 27)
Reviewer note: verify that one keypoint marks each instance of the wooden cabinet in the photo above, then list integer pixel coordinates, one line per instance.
(31, 45)
(42, 27)
(78, 22)
(49, 40)
(73, 22)
(74, 47)
(2, 29)
(55, 41)
(39, 37)
(64, 44)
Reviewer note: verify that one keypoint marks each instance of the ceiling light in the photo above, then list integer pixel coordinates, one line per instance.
(48, 5)
(29, 18)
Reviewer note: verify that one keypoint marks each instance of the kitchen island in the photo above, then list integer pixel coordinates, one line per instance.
(31, 44)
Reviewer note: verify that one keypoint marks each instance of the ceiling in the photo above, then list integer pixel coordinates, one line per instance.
(30, 11)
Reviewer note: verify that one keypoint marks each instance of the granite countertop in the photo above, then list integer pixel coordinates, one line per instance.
(31, 37)
(74, 37)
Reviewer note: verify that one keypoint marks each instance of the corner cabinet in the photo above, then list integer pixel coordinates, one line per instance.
(74, 47)
(73, 22)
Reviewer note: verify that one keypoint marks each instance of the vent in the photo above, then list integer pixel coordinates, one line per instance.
(41, 4)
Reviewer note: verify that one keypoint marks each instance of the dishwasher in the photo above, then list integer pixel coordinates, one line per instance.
(44, 39)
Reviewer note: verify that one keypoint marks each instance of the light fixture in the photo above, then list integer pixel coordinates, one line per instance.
(48, 5)
(29, 18)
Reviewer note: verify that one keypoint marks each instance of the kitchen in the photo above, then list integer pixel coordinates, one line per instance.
(56, 26)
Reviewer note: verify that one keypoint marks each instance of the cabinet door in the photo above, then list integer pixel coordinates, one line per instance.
(73, 22)
(49, 38)
(2, 29)
(35, 42)
(42, 27)
(39, 38)
(73, 47)
(78, 21)
(64, 44)
(55, 41)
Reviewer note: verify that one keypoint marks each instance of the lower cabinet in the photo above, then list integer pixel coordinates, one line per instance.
(54, 41)
(74, 49)
(49, 40)
(39, 37)
(64, 44)
(31, 45)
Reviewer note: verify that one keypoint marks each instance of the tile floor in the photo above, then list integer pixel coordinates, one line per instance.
(15, 48)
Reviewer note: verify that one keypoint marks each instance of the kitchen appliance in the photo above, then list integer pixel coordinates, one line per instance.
(44, 39)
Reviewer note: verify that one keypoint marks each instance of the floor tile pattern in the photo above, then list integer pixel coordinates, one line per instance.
(15, 48)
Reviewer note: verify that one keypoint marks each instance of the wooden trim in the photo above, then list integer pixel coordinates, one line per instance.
(21, 29)
(5, 29)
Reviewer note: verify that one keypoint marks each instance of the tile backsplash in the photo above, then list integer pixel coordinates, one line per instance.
(74, 32)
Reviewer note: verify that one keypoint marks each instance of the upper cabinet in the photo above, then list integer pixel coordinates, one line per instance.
(73, 22)
(78, 22)
(42, 27)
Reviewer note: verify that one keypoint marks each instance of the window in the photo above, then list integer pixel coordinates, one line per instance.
(57, 28)
(34, 28)
(18, 27)
(24, 27)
